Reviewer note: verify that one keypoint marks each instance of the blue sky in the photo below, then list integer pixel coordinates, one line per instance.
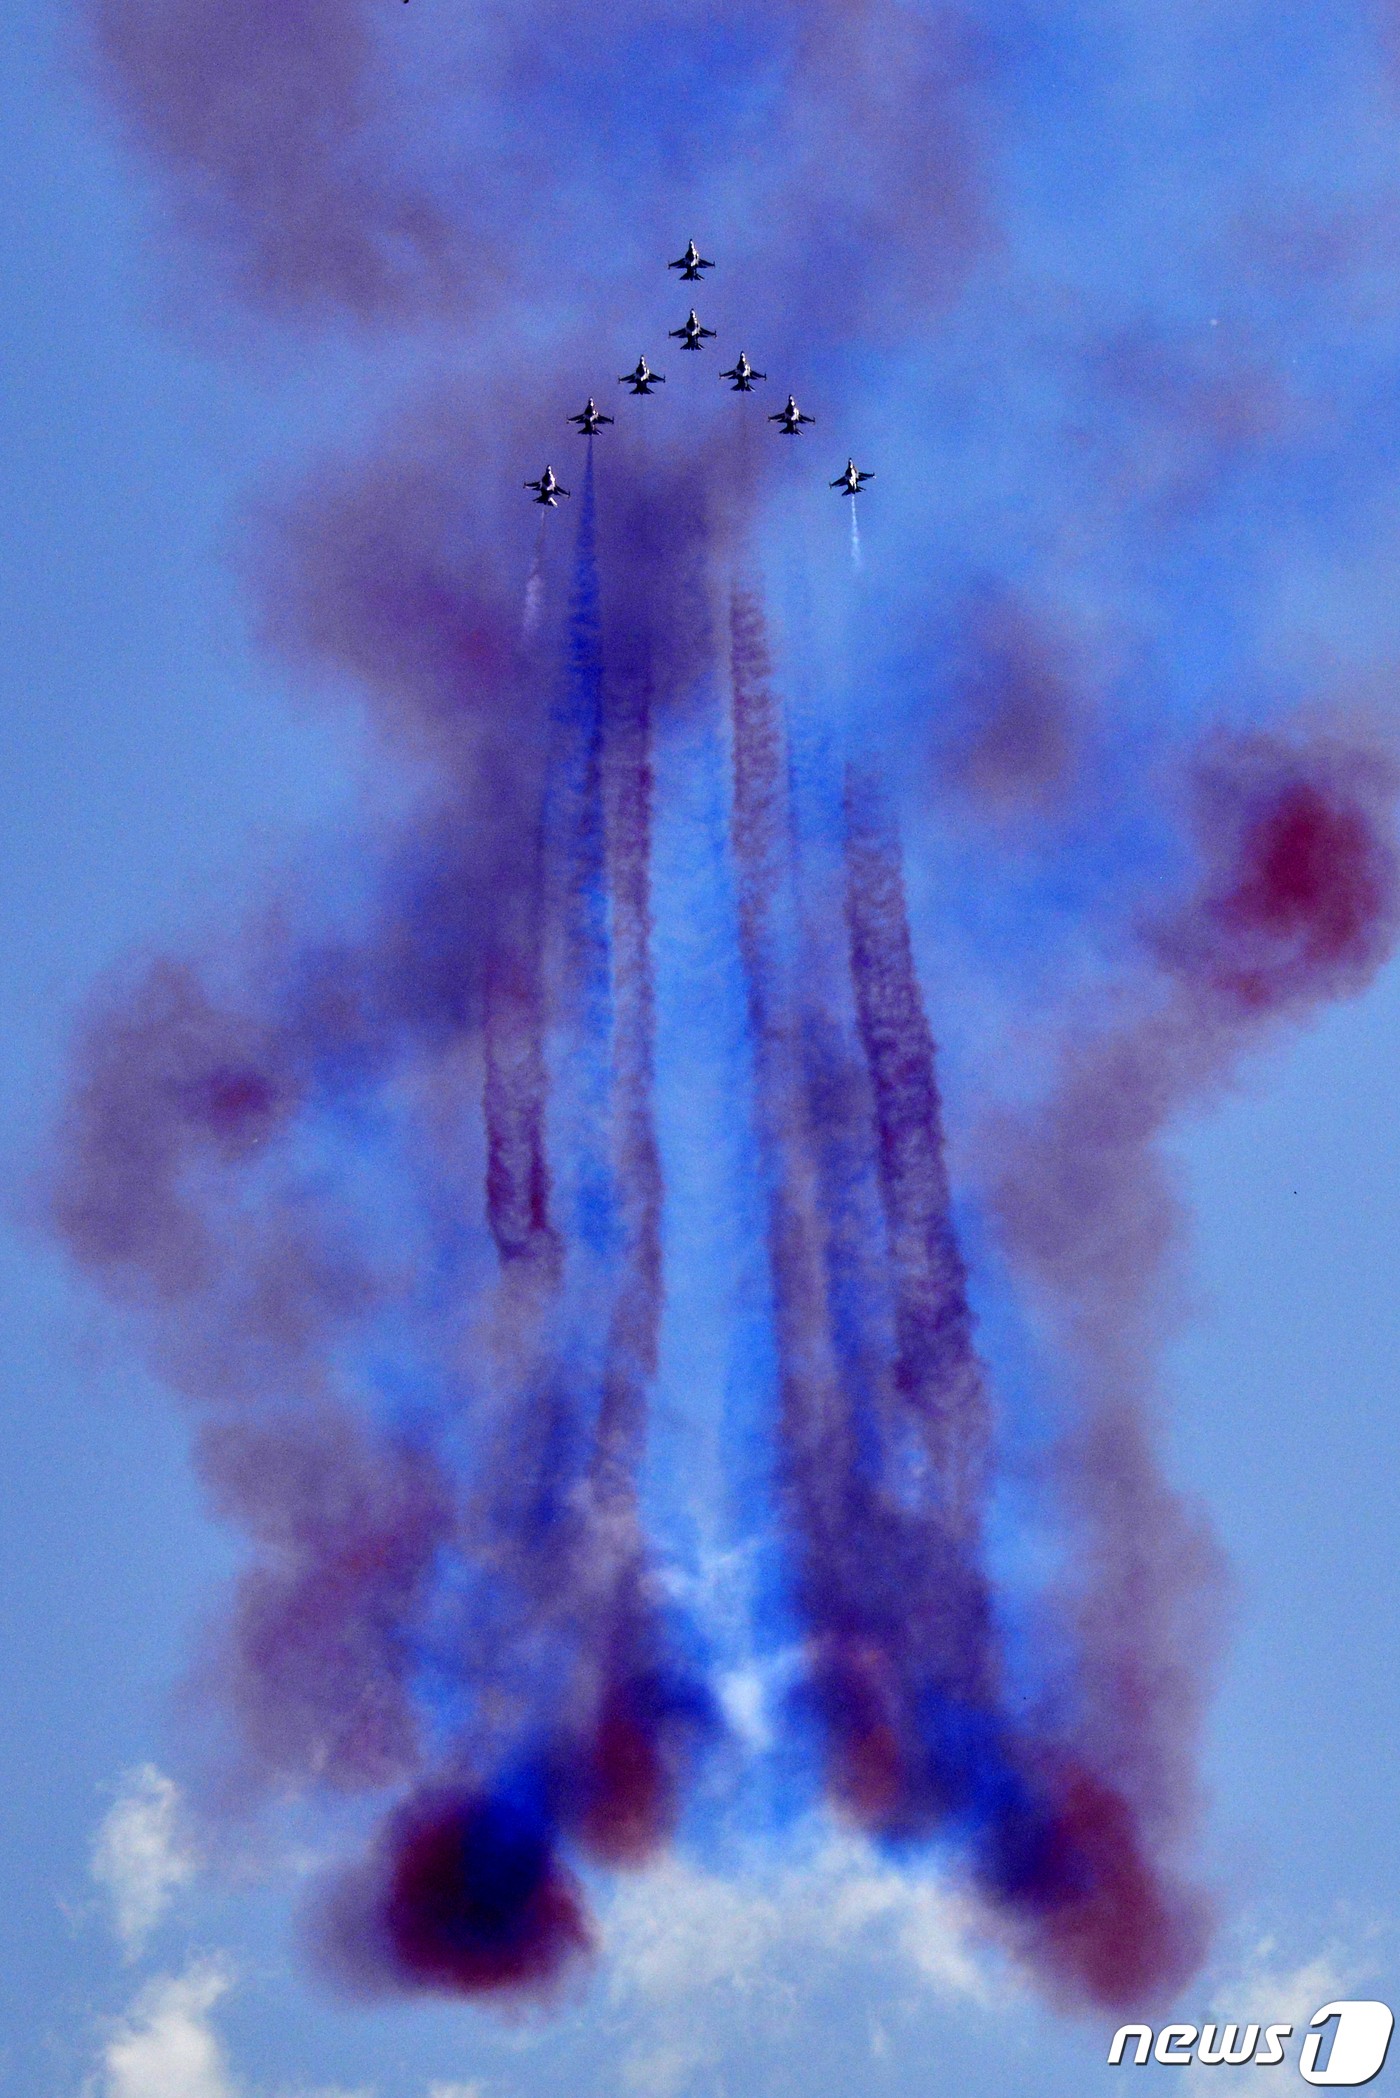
(158, 763)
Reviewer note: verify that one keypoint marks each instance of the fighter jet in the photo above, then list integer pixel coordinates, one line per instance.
(853, 479)
(790, 417)
(548, 488)
(690, 264)
(643, 378)
(691, 333)
(588, 419)
(743, 375)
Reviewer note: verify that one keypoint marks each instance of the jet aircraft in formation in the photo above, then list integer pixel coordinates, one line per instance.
(548, 488)
(643, 378)
(690, 335)
(588, 419)
(690, 264)
(791, 418)
(742, 375)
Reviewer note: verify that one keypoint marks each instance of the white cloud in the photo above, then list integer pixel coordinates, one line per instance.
(693, 1956)
(165, 2047)
(678, 1930)
(335, 2090)
(142, 1854)
(1264, 1991)
(456, 2090)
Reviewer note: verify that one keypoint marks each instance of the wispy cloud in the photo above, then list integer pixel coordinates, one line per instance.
(1264, 1988)
(166, 2046)
(142, 1853)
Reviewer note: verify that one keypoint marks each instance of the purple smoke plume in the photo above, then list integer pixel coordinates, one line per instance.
(386, 1181)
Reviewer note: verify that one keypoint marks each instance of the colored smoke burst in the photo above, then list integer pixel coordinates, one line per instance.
(412, 1182)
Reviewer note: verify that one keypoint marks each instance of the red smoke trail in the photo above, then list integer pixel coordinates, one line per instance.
(936, 1373)
(1293, 900)
(579, 904)
(623, 1791)
(863, 1571)
(611, 1722)
(810, 1411)
(885, 1459)
(517, 1170)
(1057, 1846)
(823, 1475)
(648, 1717)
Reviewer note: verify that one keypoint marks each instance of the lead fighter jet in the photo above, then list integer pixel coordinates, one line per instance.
(690, 264)
(691, 333)
(852, 480)
(643, 378)
(588, 419)
(743, 375)
(548, 488)
(790, 417)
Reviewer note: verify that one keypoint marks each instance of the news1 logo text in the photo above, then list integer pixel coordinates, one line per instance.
(1345, 2044)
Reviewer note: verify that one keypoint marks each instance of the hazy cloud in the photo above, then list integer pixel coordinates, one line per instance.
(142, 1853)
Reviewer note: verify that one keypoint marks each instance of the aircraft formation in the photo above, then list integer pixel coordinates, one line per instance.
(641, 380)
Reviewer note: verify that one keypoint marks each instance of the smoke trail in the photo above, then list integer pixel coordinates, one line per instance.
(268, 119)
(887, 1458)
(534, 586)
(592, 1720)
(936, 1373)
(385, 1180)
(574, 820)
(644, 1712)
(854, 1468)
(1295, 900)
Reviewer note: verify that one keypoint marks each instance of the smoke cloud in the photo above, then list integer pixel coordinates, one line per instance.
(1026, 830)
